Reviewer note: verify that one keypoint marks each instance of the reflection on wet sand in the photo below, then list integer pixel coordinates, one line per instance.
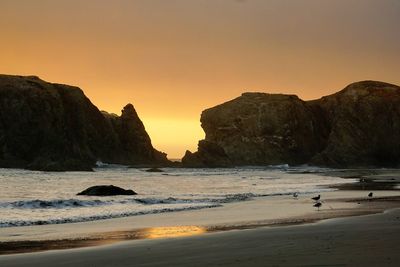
(176, 231)
(13, 247)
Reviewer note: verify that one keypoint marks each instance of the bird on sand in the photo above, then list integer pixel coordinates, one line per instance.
(318, 205)
(370, 194)
(316, 198)
(295, 195)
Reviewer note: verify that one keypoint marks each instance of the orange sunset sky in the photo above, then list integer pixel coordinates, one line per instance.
(174, 58)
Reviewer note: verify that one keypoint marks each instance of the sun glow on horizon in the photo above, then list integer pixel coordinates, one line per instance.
(174, 136)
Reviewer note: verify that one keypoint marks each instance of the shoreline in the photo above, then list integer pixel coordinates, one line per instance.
(370, 240)
(268, 212)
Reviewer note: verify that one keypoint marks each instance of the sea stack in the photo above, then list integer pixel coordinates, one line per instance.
(356, 127)
(55, 127)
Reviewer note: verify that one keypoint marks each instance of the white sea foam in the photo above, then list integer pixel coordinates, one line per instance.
(53, 204)
(99, 216)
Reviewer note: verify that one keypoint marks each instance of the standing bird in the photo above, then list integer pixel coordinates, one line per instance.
(363, 181)
(370, 194)
(316, 198)
(318, 205)
(295, 195)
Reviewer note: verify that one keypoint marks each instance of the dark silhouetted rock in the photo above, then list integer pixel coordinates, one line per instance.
(154, 170)
(356, 127)
(105, 190)
(55, 127)
(363, 122)
(208, 155)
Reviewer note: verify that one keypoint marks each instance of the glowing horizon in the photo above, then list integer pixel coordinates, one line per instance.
(173, 59)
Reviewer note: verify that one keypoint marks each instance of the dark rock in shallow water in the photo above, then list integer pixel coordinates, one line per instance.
(55, 127)
(356, 127)
(154, 170)
(105, 190)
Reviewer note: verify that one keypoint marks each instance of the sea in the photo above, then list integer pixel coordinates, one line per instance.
(37, 198)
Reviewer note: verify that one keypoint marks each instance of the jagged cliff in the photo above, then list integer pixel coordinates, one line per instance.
(47, 126)
(356, 127)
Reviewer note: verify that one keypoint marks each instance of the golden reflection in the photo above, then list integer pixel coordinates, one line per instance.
(175, 231)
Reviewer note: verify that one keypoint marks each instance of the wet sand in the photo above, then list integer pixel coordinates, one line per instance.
(371, 240)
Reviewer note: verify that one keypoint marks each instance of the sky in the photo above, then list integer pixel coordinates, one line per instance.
(174, 58)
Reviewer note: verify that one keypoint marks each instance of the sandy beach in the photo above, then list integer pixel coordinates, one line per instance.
(276, 230)
(369, 240)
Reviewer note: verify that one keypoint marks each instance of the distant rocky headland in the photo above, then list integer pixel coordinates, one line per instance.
(356, 127)
(55, 127)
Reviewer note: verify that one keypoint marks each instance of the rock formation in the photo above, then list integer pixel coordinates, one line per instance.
(363, 122)
(154, 170)
(356, 127)
(47, 126)
(106, 190)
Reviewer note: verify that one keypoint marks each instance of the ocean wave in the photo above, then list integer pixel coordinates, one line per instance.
(218, 199)
(200, 172)
(75, 219)
(102, 165)
(279, 167)
(82, 203)
(222, 199)
(160, 205)
(79, 203)
(154, 201)
(53, 204)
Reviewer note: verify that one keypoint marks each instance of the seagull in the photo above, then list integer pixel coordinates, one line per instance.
(316, 198)
(318, 205)
(295, 195)
(370, 194)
